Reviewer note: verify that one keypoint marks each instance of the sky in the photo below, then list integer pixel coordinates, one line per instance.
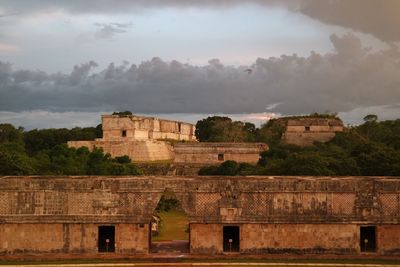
(64, 63)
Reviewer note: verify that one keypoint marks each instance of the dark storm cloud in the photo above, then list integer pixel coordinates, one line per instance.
(380, 18)
(376, 17)
(349, 77)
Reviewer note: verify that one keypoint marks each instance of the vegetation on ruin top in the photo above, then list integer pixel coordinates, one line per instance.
(123, 113)
(313, 115)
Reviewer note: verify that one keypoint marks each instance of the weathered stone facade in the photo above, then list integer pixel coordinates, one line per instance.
(139, 137)
(305, 131)
(143, 140)
(212, 153)
(254, 214)
(132, 128)
(138, 151)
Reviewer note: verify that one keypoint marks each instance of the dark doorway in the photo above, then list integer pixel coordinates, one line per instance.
(368, 238)
(106, 239)
(231, 238)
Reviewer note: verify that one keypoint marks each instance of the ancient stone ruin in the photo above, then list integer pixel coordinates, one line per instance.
(260, 215)
(147, 139)
(304, 131)
(256, 215)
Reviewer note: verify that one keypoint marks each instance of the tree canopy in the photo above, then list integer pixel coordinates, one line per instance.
(45, 152)
(223, 129)
(122, 113)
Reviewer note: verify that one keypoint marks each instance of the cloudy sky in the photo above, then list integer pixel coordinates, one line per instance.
(63, 63)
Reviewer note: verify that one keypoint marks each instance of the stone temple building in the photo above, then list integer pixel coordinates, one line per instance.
(257, 215)
(148, 139)
(304, 131)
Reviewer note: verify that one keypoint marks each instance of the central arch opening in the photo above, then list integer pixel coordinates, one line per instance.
(169, 226)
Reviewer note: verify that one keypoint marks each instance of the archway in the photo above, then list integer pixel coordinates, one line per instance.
(169, 226)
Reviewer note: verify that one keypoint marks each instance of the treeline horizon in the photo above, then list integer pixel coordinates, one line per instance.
(372, 148)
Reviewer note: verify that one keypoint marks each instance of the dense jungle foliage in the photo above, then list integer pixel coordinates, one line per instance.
(372, 148)
(45, 152)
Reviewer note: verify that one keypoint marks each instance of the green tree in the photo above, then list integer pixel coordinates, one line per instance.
(98, 163)
(123, 159)
(307, 164)
(14, 160)
(122, 113)
(36, 140)
(270, 133)
(210, 130)
(377, 159)
(371, 118)
(10, 134)
(66, 161)
(223, 129)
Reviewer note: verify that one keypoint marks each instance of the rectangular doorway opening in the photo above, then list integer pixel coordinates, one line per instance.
(231, 238)
(106, 239)
(368, 238)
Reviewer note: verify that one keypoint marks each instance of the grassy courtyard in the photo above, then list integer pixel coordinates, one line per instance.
(174, 226)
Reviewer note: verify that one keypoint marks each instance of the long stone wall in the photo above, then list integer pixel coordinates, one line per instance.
(180, 153)
(69, 238)
(274, 214)
(215, 153)
(138, 151)
(256, 238)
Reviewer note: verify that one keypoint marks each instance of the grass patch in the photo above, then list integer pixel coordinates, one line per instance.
(174, 226)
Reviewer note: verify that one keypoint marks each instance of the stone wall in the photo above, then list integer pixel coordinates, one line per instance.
(388, 238)
(275, 214)
(179, 153)
(280, 238)
(307, 138)
(211, 199)
(138, 151)
(168, 168)
(69, 238)
(214, 153)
